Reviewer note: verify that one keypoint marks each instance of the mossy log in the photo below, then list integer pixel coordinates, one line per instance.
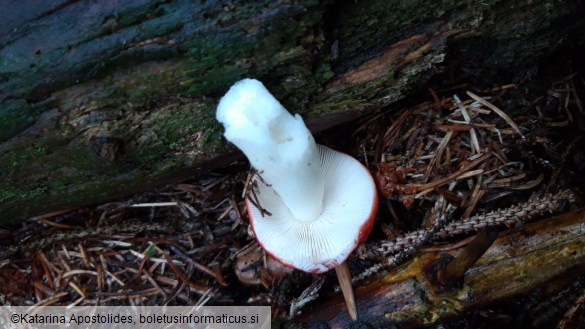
(102, 99)
(518, 261)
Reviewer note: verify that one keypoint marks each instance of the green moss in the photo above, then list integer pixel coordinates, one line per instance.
(213, 140)
(29, 166)
(356, 96)
(273, 54)
(7, 195)
(160, 133)
(30, 153)
(215, 67)
(171, 135)
(140, 87)
(17, 193)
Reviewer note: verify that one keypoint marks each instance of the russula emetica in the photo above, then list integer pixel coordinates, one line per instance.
(321, 203)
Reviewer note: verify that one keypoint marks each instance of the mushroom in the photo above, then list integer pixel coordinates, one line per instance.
(312, 205)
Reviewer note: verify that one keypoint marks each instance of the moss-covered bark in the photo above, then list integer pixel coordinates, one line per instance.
(98, 100)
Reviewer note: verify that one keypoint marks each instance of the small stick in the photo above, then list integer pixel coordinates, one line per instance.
(406, 250)
(254, 198)
(308, 295)
(344, 278)
(511, 216)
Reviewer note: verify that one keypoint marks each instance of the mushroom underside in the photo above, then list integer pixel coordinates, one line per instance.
(349, 205)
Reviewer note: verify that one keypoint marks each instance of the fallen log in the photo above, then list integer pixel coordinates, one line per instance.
(103, 99)
(518, 261)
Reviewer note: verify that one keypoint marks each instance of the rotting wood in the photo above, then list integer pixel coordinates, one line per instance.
(408, 297)
(97, 106)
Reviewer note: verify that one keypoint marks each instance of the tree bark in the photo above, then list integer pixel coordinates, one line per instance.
(518, 261)
(102, 99)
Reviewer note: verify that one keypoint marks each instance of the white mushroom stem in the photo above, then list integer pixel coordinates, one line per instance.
(344, 278)
(321, 203)
(277, 144)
